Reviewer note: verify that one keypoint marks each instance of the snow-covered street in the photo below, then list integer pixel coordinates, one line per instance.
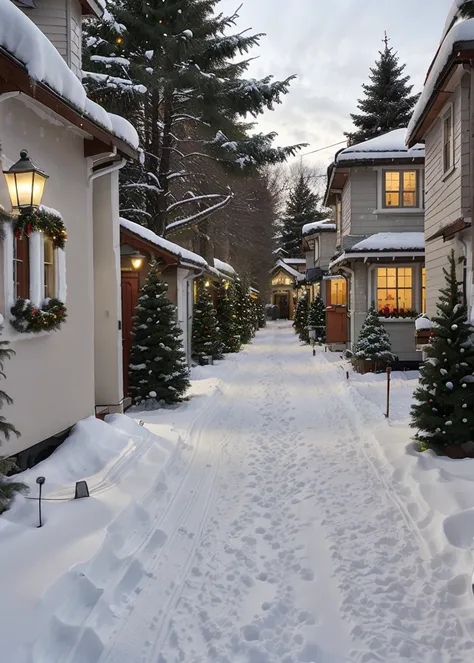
(277, 531)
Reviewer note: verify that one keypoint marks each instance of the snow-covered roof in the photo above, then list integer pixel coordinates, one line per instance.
(392, 242)
(166, 245)
(25, 41)
(460, 32)
(389, 146)
(280, 264)
(318, 226)
(295, 261)
(452, 17)
(224, 267)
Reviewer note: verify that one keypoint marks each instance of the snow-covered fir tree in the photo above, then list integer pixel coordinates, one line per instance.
(174, 68)
(157, 372)
(373, 343)
(8, 487)
(206, 341)
(317, 318)
(444, 409)
(388, 103)
(262, 314)
(303, 207)
(243, 311)
(226, 317)
(301, 318)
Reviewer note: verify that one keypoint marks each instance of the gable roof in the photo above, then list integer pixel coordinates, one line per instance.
(387, 147)
(30, 64)
(288, 269)
(318, 227)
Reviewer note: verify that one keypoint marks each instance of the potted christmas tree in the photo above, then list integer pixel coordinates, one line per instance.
(443, 413)
(373, 349)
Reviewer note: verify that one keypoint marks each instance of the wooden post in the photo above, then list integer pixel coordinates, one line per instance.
(389, 374)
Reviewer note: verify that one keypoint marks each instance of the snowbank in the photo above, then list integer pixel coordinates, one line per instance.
(25, 41)
(461, 32)
(392, 242)
(389, 146)
(317, 226)
(175, 249)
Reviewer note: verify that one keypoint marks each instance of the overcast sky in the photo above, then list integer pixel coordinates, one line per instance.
(330, 45)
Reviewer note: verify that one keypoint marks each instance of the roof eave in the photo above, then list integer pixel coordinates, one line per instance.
(91, 8)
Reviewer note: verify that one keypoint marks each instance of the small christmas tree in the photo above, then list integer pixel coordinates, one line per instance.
(8, 488)
(262, 314)
(373, 343)
(226, 317)
(157, 373)
(444, 411)
(301, 318)
(317, 318)
(243, 311)
(206, 334)
(388, 102)
(254, 315)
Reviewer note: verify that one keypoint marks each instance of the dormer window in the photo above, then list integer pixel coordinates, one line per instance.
(448, 141)
(400, 189)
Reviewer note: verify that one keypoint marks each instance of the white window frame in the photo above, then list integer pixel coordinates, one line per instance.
(405, 211)
(317, 250)
(448, 113)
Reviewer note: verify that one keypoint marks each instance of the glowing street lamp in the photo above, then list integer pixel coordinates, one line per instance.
(25, 184)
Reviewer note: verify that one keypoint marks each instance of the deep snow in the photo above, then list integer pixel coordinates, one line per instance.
(277, 517)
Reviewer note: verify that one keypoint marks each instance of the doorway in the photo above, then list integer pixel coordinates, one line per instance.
(130, 288)
(283, 303)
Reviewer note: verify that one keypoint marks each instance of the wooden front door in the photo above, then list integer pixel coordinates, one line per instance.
(283, 303)
(129, 304)
(336, 324)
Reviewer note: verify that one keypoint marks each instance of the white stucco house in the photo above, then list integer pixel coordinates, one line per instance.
(58, 377)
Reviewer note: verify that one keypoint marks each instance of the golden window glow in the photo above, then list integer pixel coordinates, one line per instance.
(282, 279)
(400, 188)
(394, 288)
(423, 289)
(49, 268)
(338, 292)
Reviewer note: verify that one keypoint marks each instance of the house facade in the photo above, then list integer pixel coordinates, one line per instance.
(444, 121)
(284, 281)
(376, 190)
(58, 377)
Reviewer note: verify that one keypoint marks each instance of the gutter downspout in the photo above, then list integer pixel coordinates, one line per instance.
(105, 171)
(352, 340)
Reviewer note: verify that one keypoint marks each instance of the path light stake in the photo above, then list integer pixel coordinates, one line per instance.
(40, 481)
(389, 375)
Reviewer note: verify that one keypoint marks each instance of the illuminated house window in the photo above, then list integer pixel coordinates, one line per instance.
(21, 267)
(282, 279)
(394, 288)
(49, 268)
(338, 292)
(423, 289)
(400, 188)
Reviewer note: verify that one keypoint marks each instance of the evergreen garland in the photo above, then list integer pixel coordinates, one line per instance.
(40, 219)
(157, 372)
(373, 343)
(317, 318)
(206, 341)
(444, 408)
(8, 488)
(301, 318)
(29, 318)
(226, 317)
(388, 103)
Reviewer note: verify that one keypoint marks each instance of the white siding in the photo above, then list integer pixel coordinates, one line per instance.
(51, 18)
(75, 32)
(346, 208)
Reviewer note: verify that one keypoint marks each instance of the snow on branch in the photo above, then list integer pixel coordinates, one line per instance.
(134, 210)
(194, 199)
(200, 216)
(142, 185)
(114, 82)
(108, 61)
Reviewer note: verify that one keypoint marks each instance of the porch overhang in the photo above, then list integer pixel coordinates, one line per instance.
(374, 256)
(451, 230)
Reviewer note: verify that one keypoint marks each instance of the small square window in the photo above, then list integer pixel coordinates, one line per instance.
(400, 188)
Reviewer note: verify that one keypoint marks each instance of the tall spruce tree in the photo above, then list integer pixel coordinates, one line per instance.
(226, 317)
(444, 408)
(303, 207)
(8, 488)
(206, 340)
(388, 102)
(301, 318)
(317, 318)
(373, 343)
(176, 71)
(157, 371)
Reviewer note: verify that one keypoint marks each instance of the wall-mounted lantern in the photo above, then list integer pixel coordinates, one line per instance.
(136, 258)
(207, 284)
(25, 183)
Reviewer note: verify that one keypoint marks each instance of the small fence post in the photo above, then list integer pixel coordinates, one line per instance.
(389, 375)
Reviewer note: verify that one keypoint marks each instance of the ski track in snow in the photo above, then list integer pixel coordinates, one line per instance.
(284, 540)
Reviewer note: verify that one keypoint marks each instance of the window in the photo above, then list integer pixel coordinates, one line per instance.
(338, 292)
(21, 267)
(394, 288)
(49, 268)
(448, 142)
(281, 279)
(423, 289)
(316, 249)
(400, 188)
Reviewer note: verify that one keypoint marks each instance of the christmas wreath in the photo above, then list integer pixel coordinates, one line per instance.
(44, 220)
(29, 318)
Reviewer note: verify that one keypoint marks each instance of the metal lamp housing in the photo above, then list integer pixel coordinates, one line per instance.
(25, 183)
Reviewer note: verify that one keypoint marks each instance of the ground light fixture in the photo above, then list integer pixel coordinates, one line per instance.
(40, 481)
(25, 184)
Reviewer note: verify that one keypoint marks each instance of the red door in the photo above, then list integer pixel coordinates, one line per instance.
(129, 304)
